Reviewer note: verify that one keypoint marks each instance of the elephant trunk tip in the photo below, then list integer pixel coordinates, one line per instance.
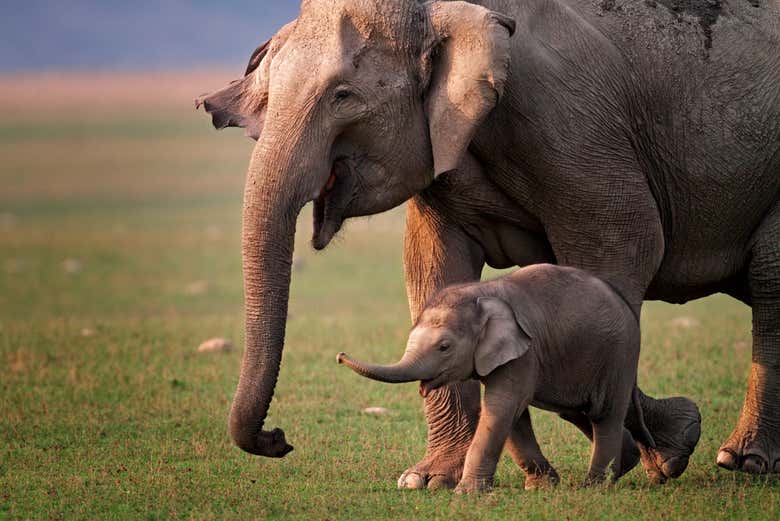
(271, 444)
(341, 357)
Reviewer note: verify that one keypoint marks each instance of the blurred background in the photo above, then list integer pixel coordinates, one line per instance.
(98, 133)
(40, 35)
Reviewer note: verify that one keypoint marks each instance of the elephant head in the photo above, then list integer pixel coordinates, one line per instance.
(453, 343)
(356, 105)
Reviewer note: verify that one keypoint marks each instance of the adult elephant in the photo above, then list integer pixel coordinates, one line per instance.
(635, 140)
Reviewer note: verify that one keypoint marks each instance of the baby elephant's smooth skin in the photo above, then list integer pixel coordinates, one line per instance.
(553, 337)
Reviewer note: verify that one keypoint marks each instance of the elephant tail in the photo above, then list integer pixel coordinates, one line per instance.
(648, 441)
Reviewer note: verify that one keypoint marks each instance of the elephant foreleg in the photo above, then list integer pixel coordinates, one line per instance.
(438, 253)
(504, 397)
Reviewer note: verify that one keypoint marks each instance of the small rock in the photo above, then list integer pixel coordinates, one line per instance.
(199, 287)
(72, 266)
(87, 332)
(216, 345)
(378, 411)
(684, 322)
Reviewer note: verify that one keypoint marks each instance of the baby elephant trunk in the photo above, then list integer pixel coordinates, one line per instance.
(408, 369)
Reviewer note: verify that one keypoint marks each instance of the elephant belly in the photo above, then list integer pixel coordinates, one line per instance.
(682, 279)
(506, 246)
(568, 410)
(575, 394)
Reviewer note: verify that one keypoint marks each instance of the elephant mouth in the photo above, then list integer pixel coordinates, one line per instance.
(427, 386)
(331, 204)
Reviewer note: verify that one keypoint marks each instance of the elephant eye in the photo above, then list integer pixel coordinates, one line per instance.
(342, 94)
(444, 346)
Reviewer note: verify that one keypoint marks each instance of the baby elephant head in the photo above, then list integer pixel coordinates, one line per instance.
(451, 343)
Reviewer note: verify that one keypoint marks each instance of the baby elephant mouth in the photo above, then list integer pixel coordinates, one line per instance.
(331, 205)
(427, 386)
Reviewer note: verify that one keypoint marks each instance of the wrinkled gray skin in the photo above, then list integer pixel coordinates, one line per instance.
(637, 142)
(548, 336)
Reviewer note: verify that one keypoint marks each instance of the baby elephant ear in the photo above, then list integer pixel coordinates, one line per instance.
(503, 339)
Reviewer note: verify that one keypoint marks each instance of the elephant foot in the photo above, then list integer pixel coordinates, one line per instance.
(753, 447)
(676, 427)
(434, 473)
(474, 486)
(452, 413)
(542, 480)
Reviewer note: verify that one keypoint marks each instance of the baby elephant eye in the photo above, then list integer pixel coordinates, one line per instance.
(444, 346)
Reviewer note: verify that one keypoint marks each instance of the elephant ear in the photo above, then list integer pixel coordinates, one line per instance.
(469, 65)
(243, 102)
(503, 338)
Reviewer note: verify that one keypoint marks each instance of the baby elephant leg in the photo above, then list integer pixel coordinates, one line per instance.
(629, 454)
(496, 420)
(525, 451)
(607, 443)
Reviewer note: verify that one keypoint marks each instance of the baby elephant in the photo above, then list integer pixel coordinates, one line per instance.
(553, 337)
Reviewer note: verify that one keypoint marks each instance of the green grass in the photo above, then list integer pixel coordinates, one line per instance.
(129, 421)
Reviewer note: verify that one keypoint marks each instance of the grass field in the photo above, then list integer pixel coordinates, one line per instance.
(120, 252)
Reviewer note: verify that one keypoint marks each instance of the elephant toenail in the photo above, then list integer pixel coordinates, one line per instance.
(675, 466)
(727, 459)
(411, 480)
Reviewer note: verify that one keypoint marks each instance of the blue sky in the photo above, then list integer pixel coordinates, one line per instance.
(135, 34)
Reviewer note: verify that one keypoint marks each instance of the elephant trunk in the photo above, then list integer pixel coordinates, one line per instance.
(273, 198)
(408, 369)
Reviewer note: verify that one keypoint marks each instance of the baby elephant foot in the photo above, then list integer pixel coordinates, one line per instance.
(546, 480)
(675, 430)
(434, 473)
(752, 448)
(474, 485)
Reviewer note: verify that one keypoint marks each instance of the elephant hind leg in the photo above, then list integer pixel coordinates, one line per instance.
(629, 456)
(526, 453)
(607, 443)
(754, 445)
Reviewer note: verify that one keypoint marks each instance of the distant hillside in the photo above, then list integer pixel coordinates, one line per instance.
(135, 34)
